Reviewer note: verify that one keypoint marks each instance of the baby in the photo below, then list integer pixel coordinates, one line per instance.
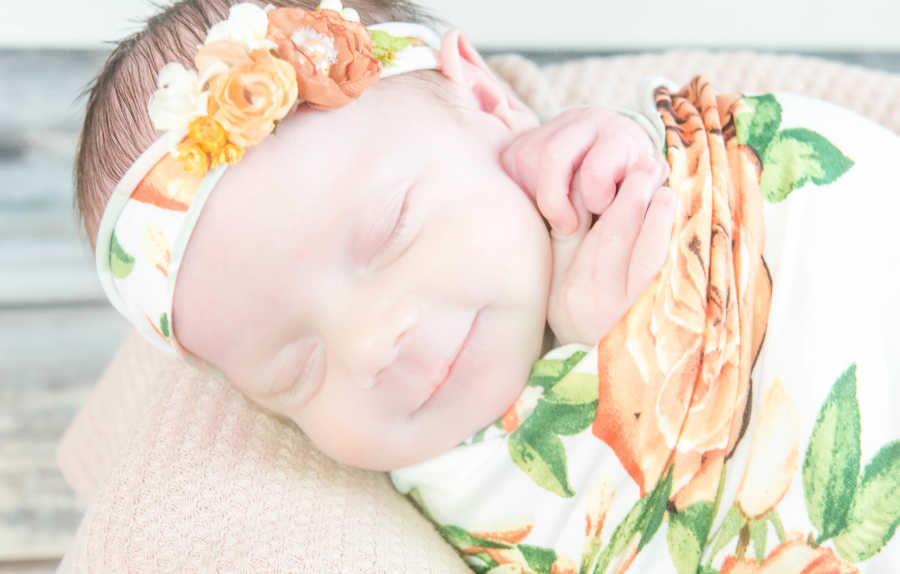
(371, 269)
(348, 223)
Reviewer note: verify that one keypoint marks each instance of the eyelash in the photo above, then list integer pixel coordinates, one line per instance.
(399, 228)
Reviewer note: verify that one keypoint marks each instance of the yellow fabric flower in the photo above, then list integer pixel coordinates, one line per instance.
(193, 159)
(230, 154)
(208, 134)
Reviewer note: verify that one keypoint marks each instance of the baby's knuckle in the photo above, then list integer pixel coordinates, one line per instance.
(557, 148)
(593, 171)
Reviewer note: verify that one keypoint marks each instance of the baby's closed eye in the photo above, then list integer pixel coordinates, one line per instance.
(296, 366)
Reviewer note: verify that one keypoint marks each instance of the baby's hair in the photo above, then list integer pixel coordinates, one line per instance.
(117, 126)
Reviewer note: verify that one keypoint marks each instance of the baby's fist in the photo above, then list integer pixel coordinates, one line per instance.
(587, 149)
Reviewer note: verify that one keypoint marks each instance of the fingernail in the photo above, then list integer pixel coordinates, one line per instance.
(567, 228)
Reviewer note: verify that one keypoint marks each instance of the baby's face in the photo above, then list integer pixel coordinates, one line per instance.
(347, 263)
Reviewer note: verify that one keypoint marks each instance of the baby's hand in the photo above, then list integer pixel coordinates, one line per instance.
(572, 167)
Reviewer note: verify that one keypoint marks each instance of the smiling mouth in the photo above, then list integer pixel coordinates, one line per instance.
(449, 368)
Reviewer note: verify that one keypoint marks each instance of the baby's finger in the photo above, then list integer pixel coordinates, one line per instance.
(562, 155)
(600, 173)
(652, 245)
(565, 246)
(521, 159)
(618, 228)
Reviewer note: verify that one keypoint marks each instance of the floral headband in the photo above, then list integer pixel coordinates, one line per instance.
(253, 69)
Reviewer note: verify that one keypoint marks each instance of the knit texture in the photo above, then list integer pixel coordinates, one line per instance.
(180, 473)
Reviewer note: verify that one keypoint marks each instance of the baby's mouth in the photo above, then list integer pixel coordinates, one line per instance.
(448, 369)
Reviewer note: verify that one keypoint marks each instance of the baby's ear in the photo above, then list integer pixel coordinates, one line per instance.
(463, 65)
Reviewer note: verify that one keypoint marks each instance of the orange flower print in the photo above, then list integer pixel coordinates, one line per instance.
(519, 410)
(793, 556)
(156, 247)
(512, 557)
(168, 185)
(249, 92)
(333, 57)
(774, 454)
(599, 499)
(563, 565)
(686, 347)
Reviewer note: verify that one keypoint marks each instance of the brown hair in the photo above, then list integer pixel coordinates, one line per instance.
(117, 126)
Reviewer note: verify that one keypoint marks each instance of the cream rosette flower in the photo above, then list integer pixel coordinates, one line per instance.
(249, 90)
(247, 24)
(179, 100)
(336, 5)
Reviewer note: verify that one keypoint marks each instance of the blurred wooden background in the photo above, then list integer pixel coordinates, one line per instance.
(57, 331)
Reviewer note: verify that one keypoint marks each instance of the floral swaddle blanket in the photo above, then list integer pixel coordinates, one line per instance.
(741, 418)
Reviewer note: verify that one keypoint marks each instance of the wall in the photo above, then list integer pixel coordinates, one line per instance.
(570, 24)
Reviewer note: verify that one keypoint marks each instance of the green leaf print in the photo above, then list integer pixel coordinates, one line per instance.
(643, 519)
(539, 559)
(164, 324)
(562, 419)
(541, 455)
(831, 465)
(574, 389)
(120, 262)
(796, 156)
(481, 563)
(759, 531)
(687, 535)
(567, 406)
(875, 512)
(731, 526)
(462, 540)
(385, 46)
(757, 125)
(547, 372)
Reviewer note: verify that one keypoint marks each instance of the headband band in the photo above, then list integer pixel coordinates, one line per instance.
(253, 70)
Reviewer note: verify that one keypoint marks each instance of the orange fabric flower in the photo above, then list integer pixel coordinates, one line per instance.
(334, 63)
(249, 91)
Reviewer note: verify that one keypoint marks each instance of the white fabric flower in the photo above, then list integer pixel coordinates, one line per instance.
(350, 14)
(247, 23)
(336, 5)
(179, 100)
(319, 48)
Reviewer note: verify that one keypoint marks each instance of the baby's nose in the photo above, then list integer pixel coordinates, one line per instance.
(378, 351)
